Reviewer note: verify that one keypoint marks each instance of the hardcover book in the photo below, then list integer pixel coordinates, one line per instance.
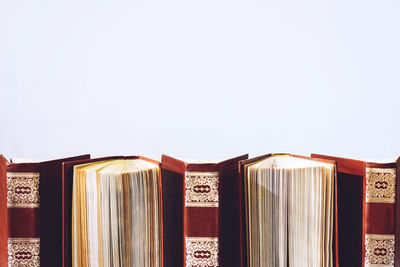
(201, 212)
(31, 212)
(112, 212)
(369, 212)
(288, 211)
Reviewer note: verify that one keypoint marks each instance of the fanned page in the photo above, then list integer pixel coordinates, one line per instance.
(116, 214)
(289, 212)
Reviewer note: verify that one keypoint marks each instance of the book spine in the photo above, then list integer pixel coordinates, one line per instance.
(379, 217)
(23, 219)
(200, 219)
(397, 217)
(3, 213)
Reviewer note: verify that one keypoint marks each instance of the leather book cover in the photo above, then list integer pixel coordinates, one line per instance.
(67, 174)
(3, 213)
(397, 217)
(243, 238)
(31, 199)
(201, 212)
(367, 211)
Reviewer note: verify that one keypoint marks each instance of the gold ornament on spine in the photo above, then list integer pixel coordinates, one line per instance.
(381, 185)
(23, 252)
(201, 189)
(202, 251)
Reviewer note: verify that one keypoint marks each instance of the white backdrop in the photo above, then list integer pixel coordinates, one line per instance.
(199, 79)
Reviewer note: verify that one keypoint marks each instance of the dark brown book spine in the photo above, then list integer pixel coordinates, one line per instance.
(200, 215)
(379, 215)
(23, 219)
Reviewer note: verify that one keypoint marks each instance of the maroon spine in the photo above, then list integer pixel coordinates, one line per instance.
(200, 215)
(397, 216)
(3, 212)
(379, 215)
(23, 204)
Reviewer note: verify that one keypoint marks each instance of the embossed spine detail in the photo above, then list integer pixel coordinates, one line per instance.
(201, 189)
(381, 185)
(23, 190)
(201, 251)
(23, 252)
(380, 189)
(379, 250)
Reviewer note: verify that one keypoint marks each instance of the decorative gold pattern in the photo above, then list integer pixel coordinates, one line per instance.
(379, 250)
(23, 190)
(201, 189)
(201, 252)
(380, 185)
(23, 252)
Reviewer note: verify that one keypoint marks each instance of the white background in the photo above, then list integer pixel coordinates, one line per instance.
(199, 79)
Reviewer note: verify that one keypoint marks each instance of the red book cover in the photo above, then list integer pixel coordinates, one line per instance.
(31, 199)
(205, 217)
(367, 212)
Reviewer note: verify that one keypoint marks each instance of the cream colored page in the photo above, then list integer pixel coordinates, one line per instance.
(107, 203)
(117, 214)
(268, 211)
(79, 213)
(298, 199)
(92, 209)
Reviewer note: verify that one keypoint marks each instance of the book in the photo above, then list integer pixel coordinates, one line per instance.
(201, 212)
(368, 211)
(287, 207)
(31, 212)
(112, 212)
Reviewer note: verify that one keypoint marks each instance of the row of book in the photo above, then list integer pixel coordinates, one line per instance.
(273, 210)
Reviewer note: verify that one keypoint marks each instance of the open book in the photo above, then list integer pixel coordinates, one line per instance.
(116, 213)
(288, 211)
